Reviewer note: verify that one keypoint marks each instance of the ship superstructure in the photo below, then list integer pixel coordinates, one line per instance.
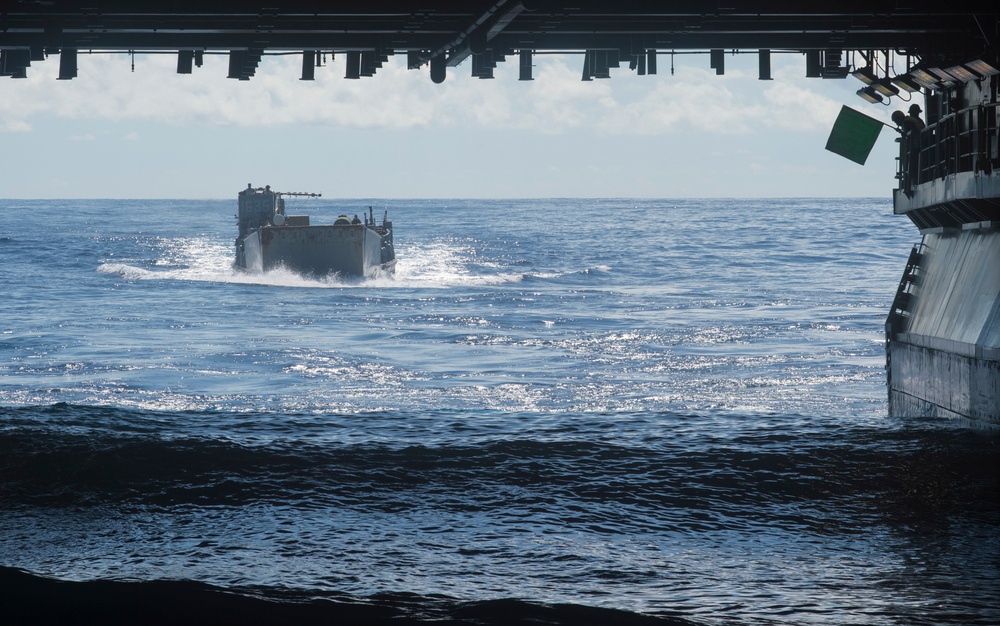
(943, 330)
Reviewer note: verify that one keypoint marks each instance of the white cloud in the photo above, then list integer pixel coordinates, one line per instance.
(14, 125)
(797, 108)
(396, 98)
(558, 100)
(666, 135)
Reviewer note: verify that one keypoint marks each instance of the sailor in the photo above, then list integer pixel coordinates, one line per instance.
(907, 124)
(356, 220)
(903, 125)
(914, 117)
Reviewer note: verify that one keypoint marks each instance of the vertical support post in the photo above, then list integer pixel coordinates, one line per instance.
(353, 65)
(765, 65)
(813, 65)
(525, 67)
(67, 64)
(308, 65)
(717, 61)
(185, 61)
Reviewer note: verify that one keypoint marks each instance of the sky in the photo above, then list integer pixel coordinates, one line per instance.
(152, 133)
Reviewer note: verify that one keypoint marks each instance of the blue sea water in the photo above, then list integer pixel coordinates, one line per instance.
(673, 408)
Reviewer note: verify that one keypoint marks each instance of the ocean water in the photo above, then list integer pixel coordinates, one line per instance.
(600, 410)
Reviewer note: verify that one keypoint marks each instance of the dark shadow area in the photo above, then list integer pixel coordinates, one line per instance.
(30, 599)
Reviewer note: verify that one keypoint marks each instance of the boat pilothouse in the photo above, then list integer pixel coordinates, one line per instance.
(943, 329)
(269, 238)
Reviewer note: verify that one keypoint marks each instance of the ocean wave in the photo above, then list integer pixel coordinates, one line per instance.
(433, 265)
(64, 455)
(630, 508)
(128, 272)
(33, 599)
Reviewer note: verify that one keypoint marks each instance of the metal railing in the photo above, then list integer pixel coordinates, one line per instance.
(964, 141)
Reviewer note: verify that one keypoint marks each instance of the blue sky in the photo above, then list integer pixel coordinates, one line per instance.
(152, 133)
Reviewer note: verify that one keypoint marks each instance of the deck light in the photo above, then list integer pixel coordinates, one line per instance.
(945, 79)
(906, 83)
(869, 94)
(961, 73)
(924, 78)
(865, 75)
(987, 65)
(885, 87)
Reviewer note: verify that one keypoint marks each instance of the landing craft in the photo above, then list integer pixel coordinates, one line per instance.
(349, 248)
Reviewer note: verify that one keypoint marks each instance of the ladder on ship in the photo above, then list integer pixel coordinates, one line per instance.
(900, 303)
(898, 318)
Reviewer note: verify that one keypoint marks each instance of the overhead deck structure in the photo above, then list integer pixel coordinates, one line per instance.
(443, 33)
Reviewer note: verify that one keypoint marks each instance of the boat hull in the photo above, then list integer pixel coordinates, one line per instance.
(943, 348)
(347, 250)
(933, 382)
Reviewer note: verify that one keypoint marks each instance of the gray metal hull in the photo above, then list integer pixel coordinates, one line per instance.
(933, 382)
(943, 349)
(348, 250)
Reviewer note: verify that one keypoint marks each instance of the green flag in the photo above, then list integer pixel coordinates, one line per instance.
(853, 135)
